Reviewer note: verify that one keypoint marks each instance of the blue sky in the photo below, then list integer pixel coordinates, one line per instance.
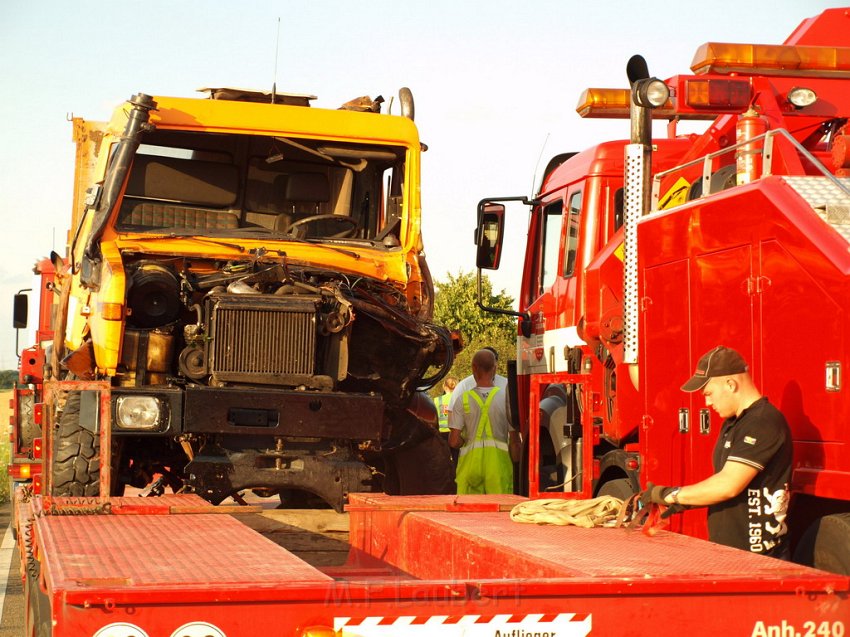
(495, 84)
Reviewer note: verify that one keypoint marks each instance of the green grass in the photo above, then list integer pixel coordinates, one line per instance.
(4, 480)
(5, 445)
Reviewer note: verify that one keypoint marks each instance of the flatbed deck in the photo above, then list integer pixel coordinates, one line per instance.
(415, 563)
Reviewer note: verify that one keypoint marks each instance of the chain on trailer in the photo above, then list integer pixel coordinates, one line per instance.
(67, 507)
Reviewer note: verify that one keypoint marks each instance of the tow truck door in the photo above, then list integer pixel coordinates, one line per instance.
(541, 285)
(690, 306)
(665, 431)
(551, 283)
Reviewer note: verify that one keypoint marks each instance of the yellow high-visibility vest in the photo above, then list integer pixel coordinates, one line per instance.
(484, 464)
(442, 404)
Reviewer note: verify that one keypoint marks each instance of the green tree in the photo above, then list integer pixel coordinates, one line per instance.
(455, 307)
(8, 377)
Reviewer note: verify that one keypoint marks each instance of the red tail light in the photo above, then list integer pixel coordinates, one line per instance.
(36, 484)
(37, 411)
(36, 448)
(718, 94)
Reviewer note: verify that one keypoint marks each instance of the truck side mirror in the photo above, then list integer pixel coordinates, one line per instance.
(20, 311)
(489, 235)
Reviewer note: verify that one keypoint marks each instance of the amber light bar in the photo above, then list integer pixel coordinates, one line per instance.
(613, 103)
(772, 59)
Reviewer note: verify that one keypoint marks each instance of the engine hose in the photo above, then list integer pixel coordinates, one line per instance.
(445, 368)
(390, 321)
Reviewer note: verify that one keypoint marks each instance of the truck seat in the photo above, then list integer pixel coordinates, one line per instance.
(302, 194)
(150, 214)
(165, 192)
(307, 188)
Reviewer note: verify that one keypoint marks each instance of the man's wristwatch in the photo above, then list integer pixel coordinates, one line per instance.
(674, 495)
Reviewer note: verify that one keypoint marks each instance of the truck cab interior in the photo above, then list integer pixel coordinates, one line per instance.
(275, 186)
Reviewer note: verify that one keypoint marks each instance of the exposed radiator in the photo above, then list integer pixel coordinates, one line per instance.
(263, 339)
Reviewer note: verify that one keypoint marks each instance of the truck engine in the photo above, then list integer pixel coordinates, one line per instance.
(250, 278)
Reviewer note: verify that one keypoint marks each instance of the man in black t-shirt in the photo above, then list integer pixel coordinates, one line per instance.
(747, 497)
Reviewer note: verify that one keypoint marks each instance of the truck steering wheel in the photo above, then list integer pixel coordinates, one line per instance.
(301, 232)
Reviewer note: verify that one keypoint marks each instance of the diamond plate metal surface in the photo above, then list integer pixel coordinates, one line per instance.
(166, 552)
(828, 200)
(837, 214)
(820, 191)
(601, 552)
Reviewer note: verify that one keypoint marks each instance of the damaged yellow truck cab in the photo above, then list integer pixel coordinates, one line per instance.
(248, 272)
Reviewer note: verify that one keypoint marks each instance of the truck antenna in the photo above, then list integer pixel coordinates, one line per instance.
(276, 49)
(537, 165)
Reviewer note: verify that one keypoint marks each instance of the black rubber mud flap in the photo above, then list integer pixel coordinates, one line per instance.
(37, 602)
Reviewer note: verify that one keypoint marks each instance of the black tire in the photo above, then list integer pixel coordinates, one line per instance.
(76, 454)
(13, 505)
(550, 472)
(521, 479)
(424, 469)
(38, 603)
(28, 429)
(826, 544)
(619, 488)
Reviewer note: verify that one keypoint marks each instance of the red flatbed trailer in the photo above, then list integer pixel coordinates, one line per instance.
(425, 565)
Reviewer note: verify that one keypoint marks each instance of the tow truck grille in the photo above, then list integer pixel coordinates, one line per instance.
(262, 339)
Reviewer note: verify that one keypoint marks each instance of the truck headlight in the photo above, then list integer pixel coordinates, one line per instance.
(801, 96)
(143, 413)
(651, 93)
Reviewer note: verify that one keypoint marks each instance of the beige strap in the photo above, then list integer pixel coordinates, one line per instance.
(601, 511)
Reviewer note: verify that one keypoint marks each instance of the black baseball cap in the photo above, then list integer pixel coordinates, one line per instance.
(721, 361)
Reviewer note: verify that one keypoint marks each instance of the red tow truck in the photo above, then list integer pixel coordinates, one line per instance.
(178, 566)
(644, 254)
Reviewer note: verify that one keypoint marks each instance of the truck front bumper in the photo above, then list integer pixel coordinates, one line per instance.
(259, 412)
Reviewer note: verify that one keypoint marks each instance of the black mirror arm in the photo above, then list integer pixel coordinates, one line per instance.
(523, 199)
(523, 316)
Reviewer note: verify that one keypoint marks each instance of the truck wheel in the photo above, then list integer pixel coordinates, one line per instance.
(424, 469)
(37, 603)
(619, 488)
(826, 544)
(76, 454)
(28, 428)
(550, 471)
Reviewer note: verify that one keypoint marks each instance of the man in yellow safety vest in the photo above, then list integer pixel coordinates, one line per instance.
(442, 401)
(481, 430)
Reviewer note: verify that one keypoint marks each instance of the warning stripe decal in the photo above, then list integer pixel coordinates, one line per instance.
(568, 624)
